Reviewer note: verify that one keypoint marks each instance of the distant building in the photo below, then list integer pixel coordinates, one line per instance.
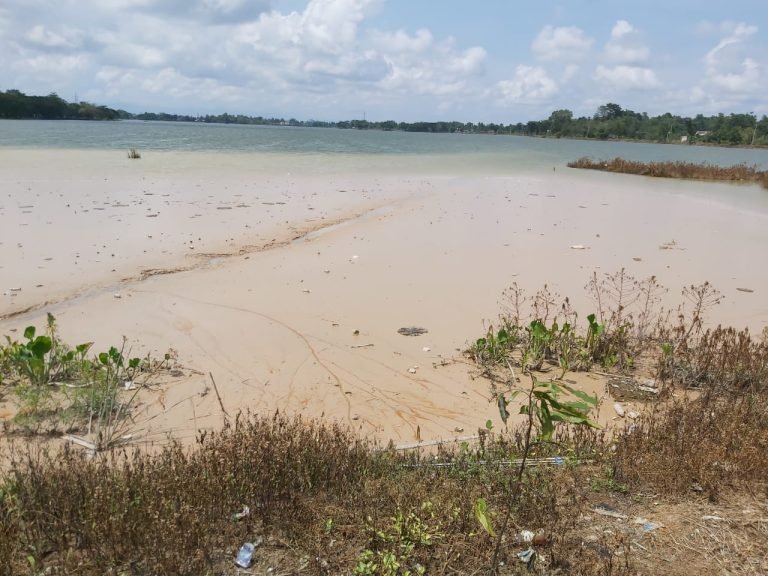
(684, 140)
(703, 133)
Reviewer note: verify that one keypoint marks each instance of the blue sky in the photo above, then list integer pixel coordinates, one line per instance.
(482, 61)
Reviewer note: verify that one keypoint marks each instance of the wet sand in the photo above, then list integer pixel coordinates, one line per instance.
(292, 274)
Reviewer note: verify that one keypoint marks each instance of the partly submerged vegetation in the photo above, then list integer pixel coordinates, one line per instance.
(553, 495)
(669, 169)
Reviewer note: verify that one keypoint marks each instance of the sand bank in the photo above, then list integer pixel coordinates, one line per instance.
(313, 263)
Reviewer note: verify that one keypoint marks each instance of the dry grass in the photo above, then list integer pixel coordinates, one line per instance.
(685, 170)
(318, 497)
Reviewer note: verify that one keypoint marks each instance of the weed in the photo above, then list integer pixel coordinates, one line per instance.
(687, 170)
(134, 154)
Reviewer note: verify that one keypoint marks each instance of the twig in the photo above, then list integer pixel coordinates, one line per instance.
(216, 389)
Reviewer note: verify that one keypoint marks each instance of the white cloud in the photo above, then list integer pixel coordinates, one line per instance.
(42, 36)
(530, 84)
(57, 64)
(747, 79)
(625, 45)
(625, 77)
(737, 34)
(621, 29)
(400, 41)
(561, 44)
(727, 66)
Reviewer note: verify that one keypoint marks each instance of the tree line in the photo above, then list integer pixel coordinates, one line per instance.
(17, 105)
(609, 122)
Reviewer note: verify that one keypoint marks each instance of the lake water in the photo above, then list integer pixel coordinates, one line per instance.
(509, 151)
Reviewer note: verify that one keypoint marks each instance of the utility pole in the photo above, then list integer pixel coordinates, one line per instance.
(754, 132)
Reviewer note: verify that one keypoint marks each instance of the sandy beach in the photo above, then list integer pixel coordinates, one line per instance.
(287, 277)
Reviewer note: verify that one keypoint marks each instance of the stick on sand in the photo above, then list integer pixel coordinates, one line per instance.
(216, 389)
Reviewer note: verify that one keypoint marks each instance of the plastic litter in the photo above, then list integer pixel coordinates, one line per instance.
(647, 525)
(245, 555)
(527, 556)
(526, 536)
(246, 511)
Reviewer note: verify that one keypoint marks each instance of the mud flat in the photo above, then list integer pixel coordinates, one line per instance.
(287, 277)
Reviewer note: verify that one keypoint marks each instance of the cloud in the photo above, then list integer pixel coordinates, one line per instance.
(747, 79)
(400, 41)
(46, 38)
(531, 84)
(737, 33)
(727, 67)
(561, 44)
(158, 53)
(216, 11)
(625, 45)
(625, 77)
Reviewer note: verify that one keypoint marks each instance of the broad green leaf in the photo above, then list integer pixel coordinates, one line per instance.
(589, 399)
(40, 346)
(29, 332)
(545, 417)
(481, 513)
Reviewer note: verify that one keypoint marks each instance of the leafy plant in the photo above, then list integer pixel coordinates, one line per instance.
(402, 538)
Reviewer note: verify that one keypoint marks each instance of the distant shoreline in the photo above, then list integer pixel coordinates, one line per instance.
(373, 129)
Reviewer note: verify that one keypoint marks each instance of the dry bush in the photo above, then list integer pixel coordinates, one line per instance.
(718, 358)
(686, 170)
(171, 513)
(318, 496)
(715, 442)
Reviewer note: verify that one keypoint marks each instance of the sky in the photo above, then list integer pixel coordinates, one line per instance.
(406, 60)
